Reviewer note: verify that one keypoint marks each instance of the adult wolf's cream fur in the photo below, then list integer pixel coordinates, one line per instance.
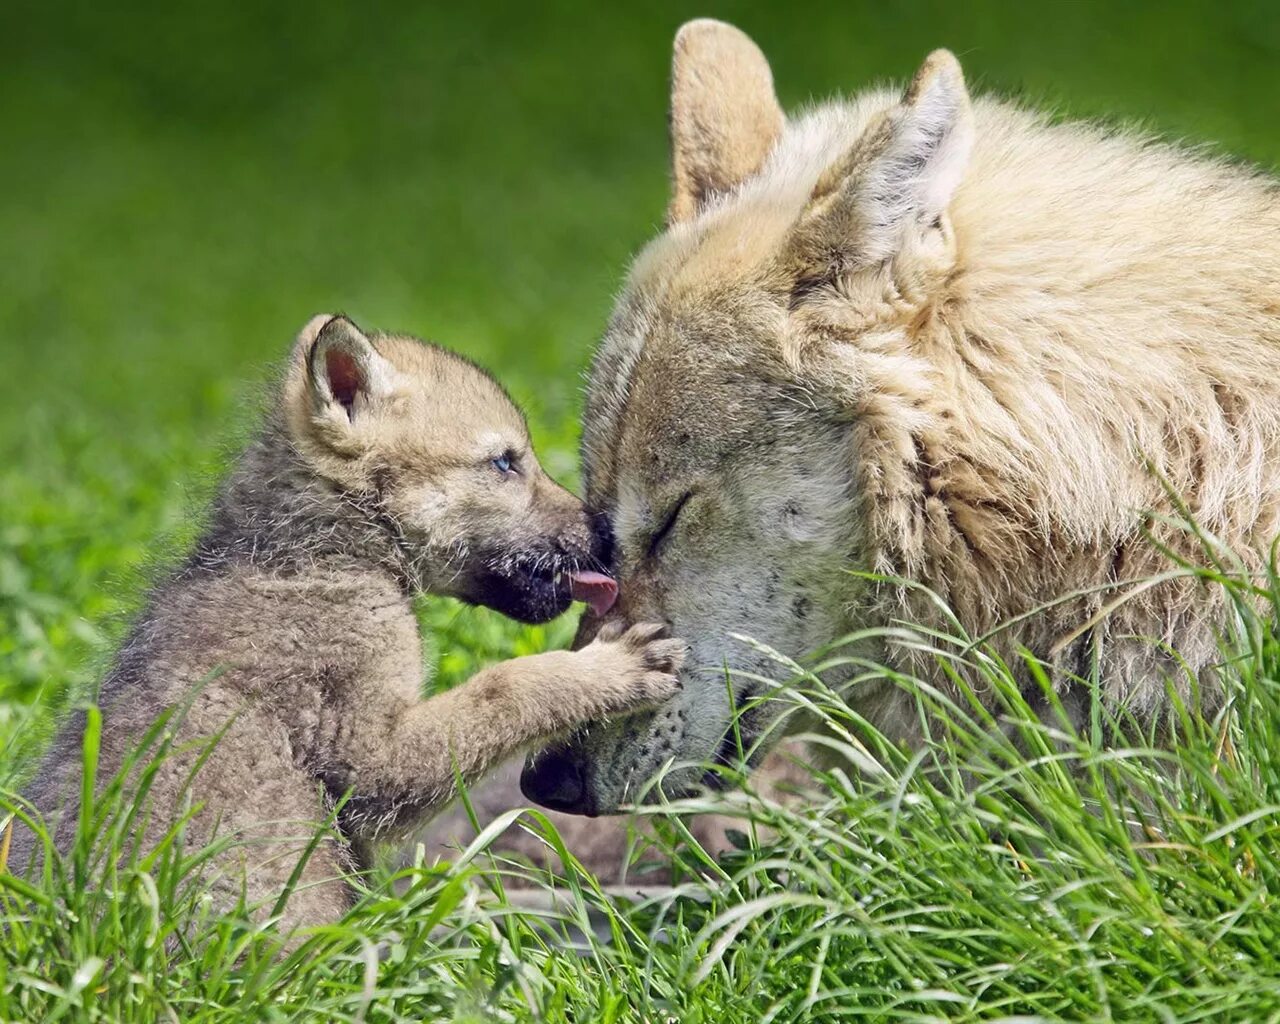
(389, 467)
(935, 338)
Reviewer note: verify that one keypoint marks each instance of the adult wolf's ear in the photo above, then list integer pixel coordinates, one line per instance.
(897, 180)
(724, 116)
(344, 373)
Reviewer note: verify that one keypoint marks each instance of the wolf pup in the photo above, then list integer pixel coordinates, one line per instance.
(390, 467)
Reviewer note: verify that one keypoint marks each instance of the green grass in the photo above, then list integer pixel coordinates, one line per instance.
(1055, 877)
(181, 189)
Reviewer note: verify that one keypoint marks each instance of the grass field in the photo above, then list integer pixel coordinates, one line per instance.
(181, 189)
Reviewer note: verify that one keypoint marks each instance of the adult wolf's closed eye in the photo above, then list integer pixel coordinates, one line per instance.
(668, 524)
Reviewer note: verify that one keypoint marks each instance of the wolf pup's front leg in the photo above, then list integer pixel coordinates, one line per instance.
(402, 767)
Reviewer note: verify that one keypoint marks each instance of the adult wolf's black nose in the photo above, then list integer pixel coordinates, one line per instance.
(555, 779)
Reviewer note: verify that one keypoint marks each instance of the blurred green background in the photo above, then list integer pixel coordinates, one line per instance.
(180, 189)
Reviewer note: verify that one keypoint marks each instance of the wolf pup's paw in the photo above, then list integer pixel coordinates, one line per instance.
(634, 668)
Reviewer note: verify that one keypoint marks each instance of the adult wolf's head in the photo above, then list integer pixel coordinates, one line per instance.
(754, 337)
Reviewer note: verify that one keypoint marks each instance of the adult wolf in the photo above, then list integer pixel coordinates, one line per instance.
(946, 341)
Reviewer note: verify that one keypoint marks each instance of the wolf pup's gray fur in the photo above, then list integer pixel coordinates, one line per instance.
(944, 340)
(389, 467)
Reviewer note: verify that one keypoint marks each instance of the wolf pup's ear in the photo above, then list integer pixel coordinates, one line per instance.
(724, 116)
(344, 372)
(898, 178)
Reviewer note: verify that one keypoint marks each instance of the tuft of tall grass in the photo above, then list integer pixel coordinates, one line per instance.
(1012, 868)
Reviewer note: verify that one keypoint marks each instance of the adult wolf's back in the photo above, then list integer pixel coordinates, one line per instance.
(941, 340)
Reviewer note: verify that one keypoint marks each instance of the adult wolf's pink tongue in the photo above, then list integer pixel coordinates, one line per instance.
(597, 589)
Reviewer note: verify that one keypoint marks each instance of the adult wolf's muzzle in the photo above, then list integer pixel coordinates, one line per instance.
(564, 777)
(556, 778)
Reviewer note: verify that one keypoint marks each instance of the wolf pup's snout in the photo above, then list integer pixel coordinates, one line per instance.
(542, 550)
(598, 590)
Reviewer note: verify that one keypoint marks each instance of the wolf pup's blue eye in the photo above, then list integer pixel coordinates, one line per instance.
(503, 463)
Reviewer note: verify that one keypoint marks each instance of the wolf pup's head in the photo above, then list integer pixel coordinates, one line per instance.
(750, 341)
(437, 455)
